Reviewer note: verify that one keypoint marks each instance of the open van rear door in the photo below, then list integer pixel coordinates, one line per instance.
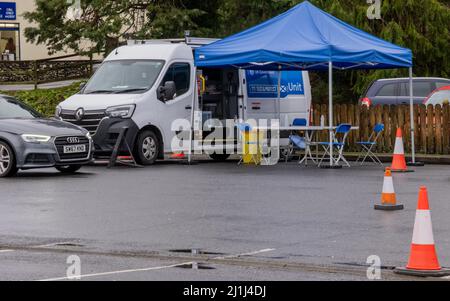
(261, 97)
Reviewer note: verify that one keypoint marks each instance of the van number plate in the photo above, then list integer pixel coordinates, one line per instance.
(74, 149)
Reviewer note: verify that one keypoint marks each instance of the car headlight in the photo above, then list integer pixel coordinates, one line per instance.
(58, 111)
(126, 111)
(36, 138)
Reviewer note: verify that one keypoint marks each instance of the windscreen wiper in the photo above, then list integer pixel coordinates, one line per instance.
(100, 92)
(130, 90)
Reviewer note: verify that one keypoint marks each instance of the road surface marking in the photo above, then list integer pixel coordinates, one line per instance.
(121, 272)
(246, 254)
(155, 268)
(37, 247)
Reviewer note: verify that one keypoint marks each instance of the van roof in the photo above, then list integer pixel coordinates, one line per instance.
(154, 51)
(162, 49)
(193, 42)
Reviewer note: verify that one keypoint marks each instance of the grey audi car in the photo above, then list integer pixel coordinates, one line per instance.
(28, 141)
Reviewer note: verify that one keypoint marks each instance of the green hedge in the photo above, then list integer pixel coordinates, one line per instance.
(45, 100)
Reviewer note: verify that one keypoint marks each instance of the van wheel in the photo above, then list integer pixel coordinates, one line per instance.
(69, 169)
(147, 148)
(219, 157)
(7, 161)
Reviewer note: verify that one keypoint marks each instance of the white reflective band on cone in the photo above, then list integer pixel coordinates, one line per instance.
(399, 150)
(388, 186)
(423, 229)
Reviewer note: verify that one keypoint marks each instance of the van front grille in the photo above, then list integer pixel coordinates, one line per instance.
(90, 120)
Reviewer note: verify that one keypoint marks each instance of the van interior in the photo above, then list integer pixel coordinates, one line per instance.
(221, 96)
(220, 101)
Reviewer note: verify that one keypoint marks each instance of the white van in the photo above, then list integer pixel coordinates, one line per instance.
(146, 85)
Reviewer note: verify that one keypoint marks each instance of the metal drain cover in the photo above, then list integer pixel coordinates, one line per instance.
(195, 252)
(195, 266)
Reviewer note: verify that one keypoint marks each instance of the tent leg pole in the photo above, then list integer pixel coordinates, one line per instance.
(279, 94)
(191, 134)
(413, 130)
(330, 120)
(330, 109)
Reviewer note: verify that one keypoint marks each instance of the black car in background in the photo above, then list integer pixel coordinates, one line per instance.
(395, 91)
(28, 141)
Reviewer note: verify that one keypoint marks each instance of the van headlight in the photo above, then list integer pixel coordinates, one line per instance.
(124, 112)
(35, 138)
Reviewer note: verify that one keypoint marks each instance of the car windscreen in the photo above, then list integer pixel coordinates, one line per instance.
(439, 98)
(11, 108)
(125, 76)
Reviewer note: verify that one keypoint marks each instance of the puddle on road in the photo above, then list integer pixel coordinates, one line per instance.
(65, 245)
(69, 245)
(361, 265)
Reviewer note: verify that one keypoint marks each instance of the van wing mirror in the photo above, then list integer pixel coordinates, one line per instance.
(167, 92)
(171, 90)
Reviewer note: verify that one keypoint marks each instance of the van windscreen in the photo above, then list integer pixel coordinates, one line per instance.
(126, 76)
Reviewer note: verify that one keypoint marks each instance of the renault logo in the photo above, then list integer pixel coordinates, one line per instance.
(79, 114)
(73, 140)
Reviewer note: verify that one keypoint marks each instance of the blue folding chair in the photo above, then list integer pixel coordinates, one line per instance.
(300, 122)
(295, 142)
(339, 140)
(245, 128)
(368, 146)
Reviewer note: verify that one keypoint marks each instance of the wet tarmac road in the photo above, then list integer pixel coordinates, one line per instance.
(137, 224)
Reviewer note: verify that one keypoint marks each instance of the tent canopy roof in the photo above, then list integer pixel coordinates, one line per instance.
(305, 37)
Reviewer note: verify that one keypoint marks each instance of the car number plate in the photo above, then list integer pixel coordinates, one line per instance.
(74, 149)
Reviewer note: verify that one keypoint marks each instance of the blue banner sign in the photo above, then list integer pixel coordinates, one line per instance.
(264, 84)
(8, 11)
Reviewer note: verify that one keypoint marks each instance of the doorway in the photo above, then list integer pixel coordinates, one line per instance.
(9, 42)
(220, 98)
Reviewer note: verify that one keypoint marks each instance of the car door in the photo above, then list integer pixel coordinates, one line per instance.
(386, 94)
(421, 90)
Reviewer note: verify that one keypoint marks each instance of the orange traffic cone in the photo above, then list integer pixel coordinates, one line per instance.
(423, 260)
(388, 198)
(399, 160)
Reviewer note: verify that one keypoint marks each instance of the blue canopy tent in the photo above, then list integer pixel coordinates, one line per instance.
(306, 38)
